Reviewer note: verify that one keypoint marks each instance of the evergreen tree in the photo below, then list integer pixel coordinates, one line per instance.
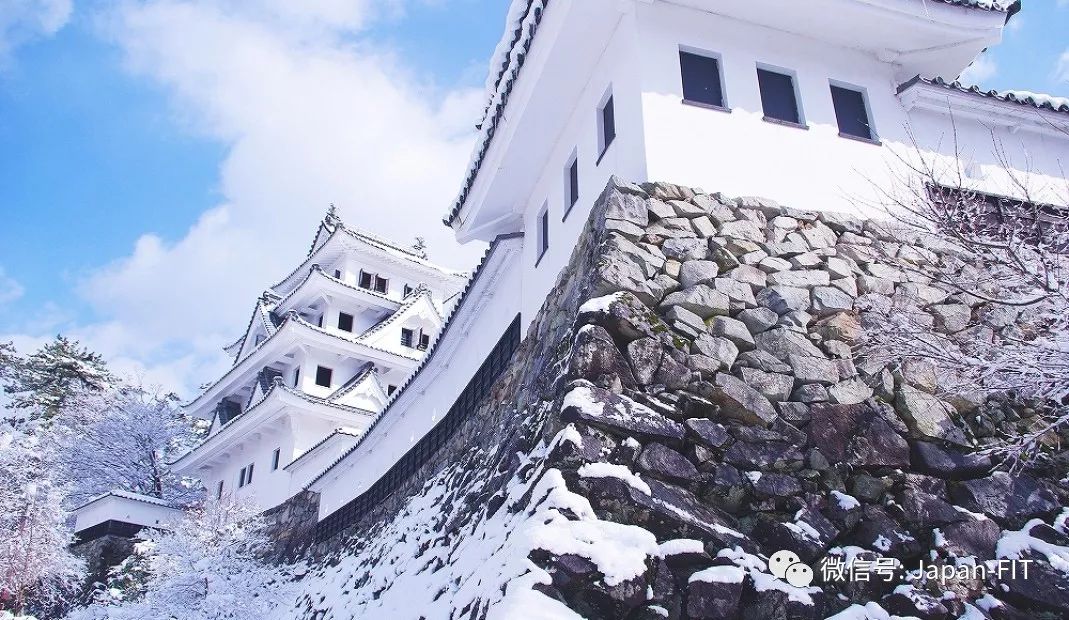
(50, 379)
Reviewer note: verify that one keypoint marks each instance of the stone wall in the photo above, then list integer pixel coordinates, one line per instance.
(291, 525)
(699, 354)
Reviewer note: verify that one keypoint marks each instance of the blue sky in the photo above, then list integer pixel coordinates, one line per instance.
(163, 160)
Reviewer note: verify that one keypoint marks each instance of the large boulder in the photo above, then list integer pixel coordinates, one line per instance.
(1009, 499)
(928, 416)
(740, 401)
(618, 414)
(594, 357)
(860, 435)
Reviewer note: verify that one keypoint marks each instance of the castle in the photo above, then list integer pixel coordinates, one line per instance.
(355, 369)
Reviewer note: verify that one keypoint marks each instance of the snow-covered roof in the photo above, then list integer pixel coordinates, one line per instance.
(338, 432)
(135, 497)
(1019, 97)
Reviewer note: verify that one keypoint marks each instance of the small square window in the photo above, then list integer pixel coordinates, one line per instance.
(324, 376)
(701, 79)
(571, 185)
(345, 322)
(778, 96)
(367, 280)
(606, 125)
(382, 285)
(543, 232)
(407, 337)
(275, 458)
(851, 112)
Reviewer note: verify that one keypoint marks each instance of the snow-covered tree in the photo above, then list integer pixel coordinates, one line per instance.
(46, 381)
(1007, 262)
(123, 439)
(208, 567)
(37, 571)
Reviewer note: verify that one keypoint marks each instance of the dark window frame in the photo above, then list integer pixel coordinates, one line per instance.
(839, 90)
(248, 475)
(344, 318)
(408, 337)
(689, 61)
(606, 124)
(370, 277)
(322, 371)
(241, 479)
(770, 84)
(571, 184)
(543, 233)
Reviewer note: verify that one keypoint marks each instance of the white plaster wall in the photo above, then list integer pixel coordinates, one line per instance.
(491, 307)
(615, 70)
(126, 510)
(740, 154)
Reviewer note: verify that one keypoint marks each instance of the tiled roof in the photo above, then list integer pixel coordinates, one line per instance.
(1001, 6)
(351, 432)
(431, 351)
(1035, 100)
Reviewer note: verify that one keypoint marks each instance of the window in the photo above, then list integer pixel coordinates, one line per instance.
(424, 341)
(778, 96)
(606, 125)
(382, 285)
(408, 290)
(345, 322)
(571, 184)
(337, 274)
(390, 389)
(296, 377)
(275, 458)
(851, 112)
(324, 376)
(702, 82)
(248, 476)
(407, 337)
(219, 491)
(367, 280)
(241, 478)
(543, 232)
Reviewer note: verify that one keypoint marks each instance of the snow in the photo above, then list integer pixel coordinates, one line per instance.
(621, 472)
(719, 574)
(975, 515)
(882, 543)
(846, 502)
(599, 304)
(1014, 544)
(803, 529)
(870, 611)
(680, 546)
(755, 567)
(754, 476)
(1039, 98)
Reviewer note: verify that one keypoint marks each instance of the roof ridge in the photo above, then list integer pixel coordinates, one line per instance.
(1039, 101)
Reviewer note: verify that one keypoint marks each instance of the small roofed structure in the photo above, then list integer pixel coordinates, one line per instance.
(122, 514)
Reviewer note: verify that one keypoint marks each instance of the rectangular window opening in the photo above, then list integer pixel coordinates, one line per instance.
(382, 285)
(606, 125)
(241, 478)
(407, 337)
(337, 274)
(571, 185)
(702, 80)
(219, 491)
(248, 476)
(852, 112)
(345, 322)
(543, 232)
(366, 280)
(275, 458)
(424, 341)
(779, 99)
(324, 376)
(296, 377)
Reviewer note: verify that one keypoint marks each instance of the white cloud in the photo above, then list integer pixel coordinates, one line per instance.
(10, 289)
(311, 115)
(981, 69)
(24, 20)
(1061, 67)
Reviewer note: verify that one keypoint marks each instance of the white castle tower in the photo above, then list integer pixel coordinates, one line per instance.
(324, 350)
